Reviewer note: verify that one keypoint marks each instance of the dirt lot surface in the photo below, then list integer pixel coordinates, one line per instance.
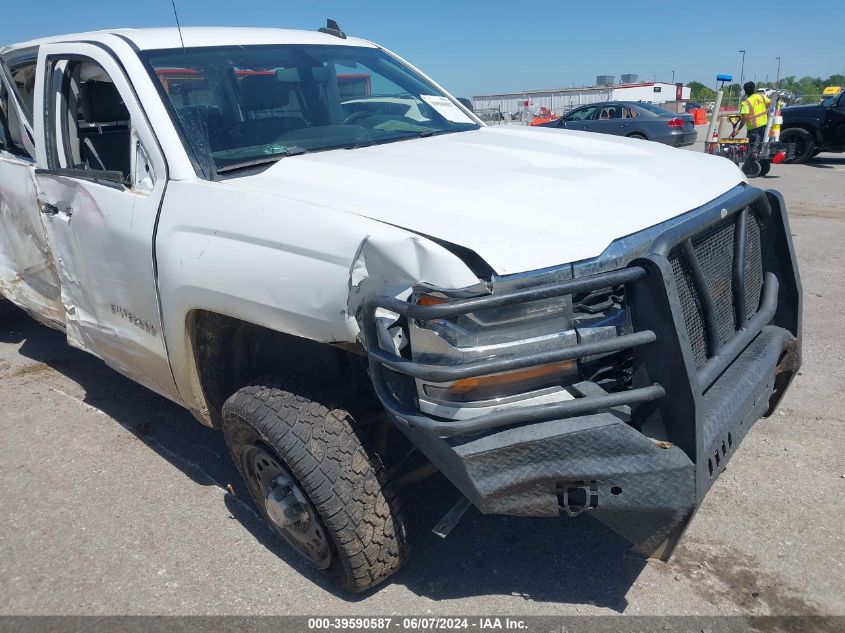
(115, 500)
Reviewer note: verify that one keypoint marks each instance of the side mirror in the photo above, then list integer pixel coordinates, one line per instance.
(467, 103)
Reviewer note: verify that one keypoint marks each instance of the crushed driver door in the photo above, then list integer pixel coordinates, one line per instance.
(101, 178)
(27, 274)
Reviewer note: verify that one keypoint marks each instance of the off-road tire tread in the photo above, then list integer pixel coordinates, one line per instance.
(337, 469)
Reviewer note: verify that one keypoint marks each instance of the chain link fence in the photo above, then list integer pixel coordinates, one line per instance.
(732, 101)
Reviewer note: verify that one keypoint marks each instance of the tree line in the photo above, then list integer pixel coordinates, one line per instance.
(810, 87)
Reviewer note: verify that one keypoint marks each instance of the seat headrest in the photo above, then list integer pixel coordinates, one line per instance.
(263, 92)
(101, 102)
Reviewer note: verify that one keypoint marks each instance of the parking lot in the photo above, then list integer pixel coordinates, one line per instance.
(117, 501)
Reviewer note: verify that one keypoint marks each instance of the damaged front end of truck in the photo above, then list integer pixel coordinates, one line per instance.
(618, 387)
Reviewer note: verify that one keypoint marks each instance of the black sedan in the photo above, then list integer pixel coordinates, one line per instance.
(634, 119)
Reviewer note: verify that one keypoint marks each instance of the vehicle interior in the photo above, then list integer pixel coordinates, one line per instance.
(602, 113)
(255, 102)
(612, 112)
(267, 108)
(103, 127)
(95, 123)
(280, 105)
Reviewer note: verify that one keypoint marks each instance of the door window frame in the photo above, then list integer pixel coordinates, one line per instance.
(611, 109)
(583, 107)
(49, 104)
(5, 134)
(26, 149)
(15, 59)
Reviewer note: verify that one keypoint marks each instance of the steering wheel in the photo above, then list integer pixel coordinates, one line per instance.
(356, 116)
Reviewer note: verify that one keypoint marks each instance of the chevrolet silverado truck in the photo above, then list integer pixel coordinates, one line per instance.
(312, 246)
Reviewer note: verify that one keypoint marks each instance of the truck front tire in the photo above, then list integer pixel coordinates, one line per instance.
(805, 145)
(315, 480)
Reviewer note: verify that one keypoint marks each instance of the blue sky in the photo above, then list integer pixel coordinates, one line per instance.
(473, 47)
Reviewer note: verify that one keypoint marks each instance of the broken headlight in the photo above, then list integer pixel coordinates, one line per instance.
(501, 332)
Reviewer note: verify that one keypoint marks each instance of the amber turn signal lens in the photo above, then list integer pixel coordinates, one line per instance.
(430, 300)
(462, 387)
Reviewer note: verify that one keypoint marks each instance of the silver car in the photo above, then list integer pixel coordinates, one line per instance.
(634, 119)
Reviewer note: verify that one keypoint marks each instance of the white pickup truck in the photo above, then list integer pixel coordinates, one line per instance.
(311, 245)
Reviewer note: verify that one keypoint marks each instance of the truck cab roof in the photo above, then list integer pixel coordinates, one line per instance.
(169, 37)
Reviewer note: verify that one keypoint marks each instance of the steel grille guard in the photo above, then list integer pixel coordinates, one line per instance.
(645, 473)
(635, 273)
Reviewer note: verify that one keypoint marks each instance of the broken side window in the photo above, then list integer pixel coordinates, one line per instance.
(23, 78)
(12, 131)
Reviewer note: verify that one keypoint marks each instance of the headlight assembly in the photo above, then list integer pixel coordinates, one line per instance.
(499, 332)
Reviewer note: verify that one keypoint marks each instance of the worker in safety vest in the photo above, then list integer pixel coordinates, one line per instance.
(754, 112)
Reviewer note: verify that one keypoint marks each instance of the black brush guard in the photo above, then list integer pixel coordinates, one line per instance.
(639, 460)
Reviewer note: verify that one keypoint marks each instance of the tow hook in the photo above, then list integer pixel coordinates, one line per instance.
(578, 497)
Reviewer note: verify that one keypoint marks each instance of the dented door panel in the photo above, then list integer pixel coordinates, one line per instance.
(101, 232)
(101, 238)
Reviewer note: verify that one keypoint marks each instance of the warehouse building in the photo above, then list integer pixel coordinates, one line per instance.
(561, 100)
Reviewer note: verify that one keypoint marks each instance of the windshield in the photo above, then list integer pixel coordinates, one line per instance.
(829, 100)
(249, 105)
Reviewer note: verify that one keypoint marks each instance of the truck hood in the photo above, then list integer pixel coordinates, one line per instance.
(803, 112)
(522, 199)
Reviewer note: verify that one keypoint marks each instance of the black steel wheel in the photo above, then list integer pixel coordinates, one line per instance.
(284, 504)
(316, 480)
(805, 145)
(765, 167)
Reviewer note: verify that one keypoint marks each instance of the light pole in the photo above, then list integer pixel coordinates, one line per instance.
(742, 70)
(777, 81)
(673, 76)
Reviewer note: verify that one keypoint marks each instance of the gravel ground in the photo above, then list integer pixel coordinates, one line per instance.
(115, 501)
